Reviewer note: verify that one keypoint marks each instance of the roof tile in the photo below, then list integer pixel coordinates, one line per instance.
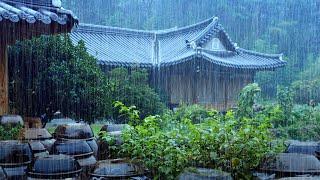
(128, 47)
(33, 11)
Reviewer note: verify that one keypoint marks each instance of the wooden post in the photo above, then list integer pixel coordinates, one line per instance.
(4, 91)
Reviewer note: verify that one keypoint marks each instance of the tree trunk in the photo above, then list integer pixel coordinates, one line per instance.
(4, 91)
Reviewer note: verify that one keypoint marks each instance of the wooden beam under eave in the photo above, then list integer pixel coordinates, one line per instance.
(4, 89)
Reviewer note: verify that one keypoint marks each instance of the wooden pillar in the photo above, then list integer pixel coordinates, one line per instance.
(4, 91)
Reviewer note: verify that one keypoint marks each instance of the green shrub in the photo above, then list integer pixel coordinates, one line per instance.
(285, 101)
(50, 73)
(167, 145)
(195, 113)
(307, 91)
(275, 113)
(9, 132)
(304, 124)
(132, 89)
(246, 100)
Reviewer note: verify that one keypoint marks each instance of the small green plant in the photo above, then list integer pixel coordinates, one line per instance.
(111, 144)
(275, 113)
(195, 113)
(246, 100)
(285, 101)
(306, 91)
(131, 114)
(10, 132)
(132, 89)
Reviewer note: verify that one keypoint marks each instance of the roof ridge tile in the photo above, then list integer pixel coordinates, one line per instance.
(92, 28)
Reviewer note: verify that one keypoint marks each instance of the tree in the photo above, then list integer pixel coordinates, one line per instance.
(133, 89)
(50, 73)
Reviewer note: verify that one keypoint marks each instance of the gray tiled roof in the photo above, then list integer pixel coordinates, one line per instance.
(127, 47)
(33, 11)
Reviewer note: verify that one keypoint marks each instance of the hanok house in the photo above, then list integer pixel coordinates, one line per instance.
(24, 19)
(194, 64)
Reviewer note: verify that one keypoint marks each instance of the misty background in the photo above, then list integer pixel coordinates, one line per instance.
(290, 27)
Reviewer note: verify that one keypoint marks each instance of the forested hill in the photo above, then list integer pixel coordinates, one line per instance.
(291, 27)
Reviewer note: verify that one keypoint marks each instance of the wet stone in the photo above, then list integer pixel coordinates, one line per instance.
(118, 168)
(291, 164)
(312, 148)
(204, 174)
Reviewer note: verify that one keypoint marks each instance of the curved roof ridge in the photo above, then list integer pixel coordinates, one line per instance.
(206, 30)
(204, 22)
(92, 28)
(260, 54)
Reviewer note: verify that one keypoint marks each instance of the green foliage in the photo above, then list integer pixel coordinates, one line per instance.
(133, 89)
(307, 91)
(265, 27)
(169, 143)
(131, 114)
(9, 132)
(50, 74)
(285, 101)
(111, 142)
(246, 100)
(305, 124)
(195, 113)
(276, 115)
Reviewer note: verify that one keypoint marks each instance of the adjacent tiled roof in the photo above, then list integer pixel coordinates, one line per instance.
(127, 47)
(32, 11)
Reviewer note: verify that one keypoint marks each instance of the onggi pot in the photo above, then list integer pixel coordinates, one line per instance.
(11, 120)
(55, 167)
(39, 135)
(78, 149)
(117, 169)
(15, 157)
(77, 131)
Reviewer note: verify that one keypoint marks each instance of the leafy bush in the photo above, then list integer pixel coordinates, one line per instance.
(304, 123)
(307, 91)
(167, 146)
(246, 100)
(195, 113)
(275, 113)
(285, 101)
(50, 73)
(169, 143)
(132, 89)
(130, 114)
(9, 132)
